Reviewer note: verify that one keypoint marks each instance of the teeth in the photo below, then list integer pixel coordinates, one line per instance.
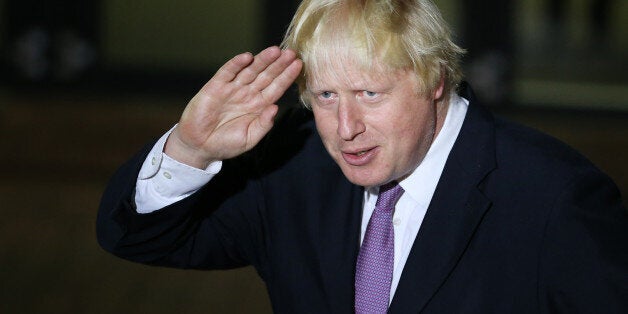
(361, 153)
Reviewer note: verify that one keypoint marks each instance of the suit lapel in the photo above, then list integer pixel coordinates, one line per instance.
(455, 211)
(339, 220)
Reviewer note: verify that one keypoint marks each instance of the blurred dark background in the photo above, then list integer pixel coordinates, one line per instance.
(84, 84)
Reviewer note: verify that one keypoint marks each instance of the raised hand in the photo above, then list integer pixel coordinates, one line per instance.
(235, 109)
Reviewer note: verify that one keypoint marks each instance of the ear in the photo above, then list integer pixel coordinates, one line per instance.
(438, 91)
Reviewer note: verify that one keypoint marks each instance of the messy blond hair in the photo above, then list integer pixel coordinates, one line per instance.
(395, 34)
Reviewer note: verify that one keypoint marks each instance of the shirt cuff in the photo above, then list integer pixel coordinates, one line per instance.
(163, 181)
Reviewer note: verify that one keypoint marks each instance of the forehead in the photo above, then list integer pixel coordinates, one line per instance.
(345, 71)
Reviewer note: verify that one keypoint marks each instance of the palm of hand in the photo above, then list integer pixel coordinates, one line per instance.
(235, 109)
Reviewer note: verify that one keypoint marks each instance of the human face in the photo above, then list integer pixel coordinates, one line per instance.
(374, 124)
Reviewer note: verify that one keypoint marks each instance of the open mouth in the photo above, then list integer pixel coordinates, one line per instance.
(361, 157)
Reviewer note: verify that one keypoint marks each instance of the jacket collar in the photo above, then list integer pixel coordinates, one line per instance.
(456, 209)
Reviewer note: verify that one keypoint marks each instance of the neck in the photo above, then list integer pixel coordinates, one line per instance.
(442, 106)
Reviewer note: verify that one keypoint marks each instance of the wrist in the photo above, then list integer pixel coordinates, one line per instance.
(180, 151)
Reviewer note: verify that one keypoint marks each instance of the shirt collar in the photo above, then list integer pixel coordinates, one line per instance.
(421, 183)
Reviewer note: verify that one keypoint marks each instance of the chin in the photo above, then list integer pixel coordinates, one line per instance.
(363, 177)
(366, 176)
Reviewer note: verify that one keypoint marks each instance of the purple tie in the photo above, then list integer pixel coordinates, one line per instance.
(374, 268)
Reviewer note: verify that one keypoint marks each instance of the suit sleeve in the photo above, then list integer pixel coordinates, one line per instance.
(584, 260)
(217, 227)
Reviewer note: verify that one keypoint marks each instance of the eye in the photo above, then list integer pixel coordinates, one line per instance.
(324, 98)
(371, 98)
(370, 94)
(326, 95)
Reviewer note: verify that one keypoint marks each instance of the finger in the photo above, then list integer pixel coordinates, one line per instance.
(261, 61)
(274, 70)
(267, 116)
(230, 70)
(281, 83)
(264, 123)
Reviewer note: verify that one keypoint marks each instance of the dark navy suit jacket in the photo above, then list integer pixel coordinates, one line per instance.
(519, 223)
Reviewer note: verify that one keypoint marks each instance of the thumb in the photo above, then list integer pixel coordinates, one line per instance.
(265, 121)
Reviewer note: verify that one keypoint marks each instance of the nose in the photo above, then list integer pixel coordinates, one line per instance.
(350, 120)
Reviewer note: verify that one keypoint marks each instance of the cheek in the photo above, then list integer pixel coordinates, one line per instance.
(406, 127)
(326, 125)
(414, 135)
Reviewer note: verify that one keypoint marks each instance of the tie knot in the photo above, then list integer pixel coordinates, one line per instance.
(389, 194)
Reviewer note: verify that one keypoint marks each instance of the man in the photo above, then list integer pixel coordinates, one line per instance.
(399, 196)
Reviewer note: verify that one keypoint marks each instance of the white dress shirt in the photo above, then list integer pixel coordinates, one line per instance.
(163, 181)
(419, 187)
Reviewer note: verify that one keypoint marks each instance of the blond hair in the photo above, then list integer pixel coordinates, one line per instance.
(395, 34)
